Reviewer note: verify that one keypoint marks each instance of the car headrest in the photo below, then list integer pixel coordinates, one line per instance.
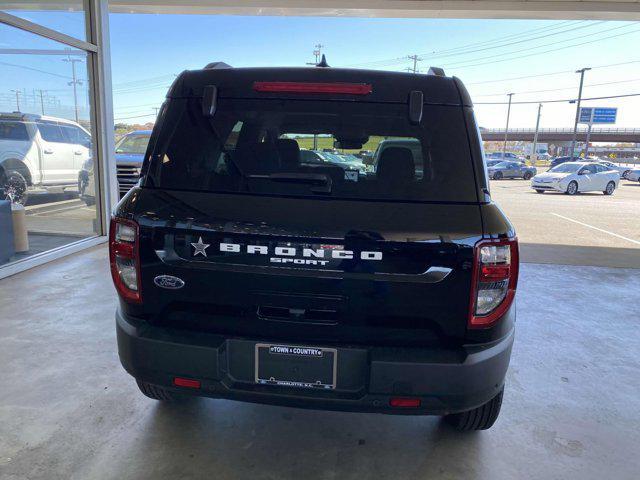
(289, 152)
(396, 165)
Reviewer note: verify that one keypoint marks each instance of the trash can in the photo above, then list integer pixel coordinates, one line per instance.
(20, 237)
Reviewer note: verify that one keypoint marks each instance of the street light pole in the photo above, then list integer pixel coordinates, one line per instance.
(534, 150)
(506, 130)
(575, 123)
(17, 92)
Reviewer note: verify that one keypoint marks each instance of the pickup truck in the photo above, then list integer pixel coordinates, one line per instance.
(40, 151)
(245, 273)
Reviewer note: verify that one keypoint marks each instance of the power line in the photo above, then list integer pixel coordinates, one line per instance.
(526, 33)
(437, 53)
(35, 70)
(555, 49)
(555, 44)
(143, 80)
(136, 116)
(548, 73)
(521, 41)
(559, 89)
(559, 101)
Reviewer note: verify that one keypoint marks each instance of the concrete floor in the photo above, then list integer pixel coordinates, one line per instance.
(69, 411)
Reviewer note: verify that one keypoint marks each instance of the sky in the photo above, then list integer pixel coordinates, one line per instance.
(536, 60)
(485, 54)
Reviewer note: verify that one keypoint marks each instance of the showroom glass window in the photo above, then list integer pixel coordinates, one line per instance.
(47, 191)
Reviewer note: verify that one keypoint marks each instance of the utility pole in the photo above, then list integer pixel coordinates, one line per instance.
(317, 53)
(506, 130)
(41, 92)
(17, 92)
(415, 59)
(534, 150)
(586, 147)
(575, 124)
(74, 81)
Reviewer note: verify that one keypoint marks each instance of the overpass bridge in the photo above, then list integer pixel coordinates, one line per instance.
(551, 135)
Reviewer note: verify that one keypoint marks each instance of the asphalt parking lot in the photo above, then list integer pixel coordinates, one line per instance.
(585, 229)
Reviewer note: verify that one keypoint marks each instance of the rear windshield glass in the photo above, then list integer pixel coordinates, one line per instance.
(566, 168)
(13, 131)
(133, 144)
(334, 149)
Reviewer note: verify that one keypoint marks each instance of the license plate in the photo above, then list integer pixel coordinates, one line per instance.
(295, 366)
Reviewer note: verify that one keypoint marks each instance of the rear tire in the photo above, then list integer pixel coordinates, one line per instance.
(611, 186)
(497, 175)
(572, 188)
(158, 393)
(527, 175)
(480, 418)
(14, 186)
(625, 173)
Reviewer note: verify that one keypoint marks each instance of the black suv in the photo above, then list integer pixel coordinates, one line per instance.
(245, 273)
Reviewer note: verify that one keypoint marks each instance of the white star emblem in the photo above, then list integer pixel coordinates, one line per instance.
(200, 248)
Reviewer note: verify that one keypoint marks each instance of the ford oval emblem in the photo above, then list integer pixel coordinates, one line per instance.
(168, 281)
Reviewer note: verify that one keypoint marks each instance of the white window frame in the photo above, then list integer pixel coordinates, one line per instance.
(99, 71)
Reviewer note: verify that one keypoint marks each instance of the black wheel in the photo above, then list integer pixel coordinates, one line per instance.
(15, 186)
(527, 175)
(497, 175)
(625, 173)
(83, 183)
(611, 186)
(480, 418)
(158, 393)
(572, 188)
(539, 191)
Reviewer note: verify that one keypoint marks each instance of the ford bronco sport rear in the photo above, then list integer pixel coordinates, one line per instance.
(245, 273)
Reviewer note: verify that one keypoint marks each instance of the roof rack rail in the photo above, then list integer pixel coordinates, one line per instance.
(214, 65)
(437, 71)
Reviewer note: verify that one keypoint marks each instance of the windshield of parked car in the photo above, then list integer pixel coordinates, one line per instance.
(566, 168)
(254, 147)
(135, 144)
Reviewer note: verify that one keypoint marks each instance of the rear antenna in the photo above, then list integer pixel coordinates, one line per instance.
(323, 62)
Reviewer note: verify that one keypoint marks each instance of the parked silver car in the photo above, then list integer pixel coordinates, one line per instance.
(574, 177)
(633, 175)
(511, 170)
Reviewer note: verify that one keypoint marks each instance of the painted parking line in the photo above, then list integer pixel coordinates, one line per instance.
(596, 228)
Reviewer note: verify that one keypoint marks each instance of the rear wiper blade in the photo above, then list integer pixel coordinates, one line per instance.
(323, 182)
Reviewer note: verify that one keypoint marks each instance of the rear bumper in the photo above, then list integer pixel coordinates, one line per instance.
(445, 380)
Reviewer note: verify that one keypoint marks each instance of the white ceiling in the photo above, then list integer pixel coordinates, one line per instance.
(536, 9)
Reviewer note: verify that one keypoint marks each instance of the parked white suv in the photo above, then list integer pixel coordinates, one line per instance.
(40, 151)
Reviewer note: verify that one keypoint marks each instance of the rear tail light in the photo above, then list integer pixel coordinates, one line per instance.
(495, 277)
(124, 258)
(313, 87)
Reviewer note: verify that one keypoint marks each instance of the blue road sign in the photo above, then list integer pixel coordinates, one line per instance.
(598, 115)
(585, 114)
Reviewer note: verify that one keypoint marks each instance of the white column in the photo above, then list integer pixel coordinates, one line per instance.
(105, 171)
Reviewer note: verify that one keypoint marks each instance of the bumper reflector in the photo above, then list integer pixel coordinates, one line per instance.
(400, 402)
(186, 382)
